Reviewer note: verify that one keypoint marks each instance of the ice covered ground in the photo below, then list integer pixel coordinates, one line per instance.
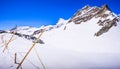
(73, 48)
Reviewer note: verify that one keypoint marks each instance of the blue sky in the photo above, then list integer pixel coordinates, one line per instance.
(44, 12)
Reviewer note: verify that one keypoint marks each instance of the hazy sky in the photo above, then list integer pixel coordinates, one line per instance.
(44, 12)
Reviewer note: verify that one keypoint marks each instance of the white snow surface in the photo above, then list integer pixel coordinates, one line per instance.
(26, 30)
(73, 48)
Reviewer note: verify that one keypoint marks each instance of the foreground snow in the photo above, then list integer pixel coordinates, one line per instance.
(73, 48)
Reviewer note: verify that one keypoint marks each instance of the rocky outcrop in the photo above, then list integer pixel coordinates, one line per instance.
(36, 32)
(84, 15)
(2, 31)
(29, 37)
(106, 18)
(106, 28)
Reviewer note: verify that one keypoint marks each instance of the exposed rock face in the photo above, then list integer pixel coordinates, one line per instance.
(106, 18)
(26, 36)
(2, 31)
(29, 37)
(84, 14)
(106, 28)
(36, 32)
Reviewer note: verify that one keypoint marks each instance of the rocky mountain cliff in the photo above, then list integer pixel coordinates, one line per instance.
(106, 18)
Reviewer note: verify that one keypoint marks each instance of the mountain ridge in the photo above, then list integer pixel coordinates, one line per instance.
(66, 45)
(105, 15)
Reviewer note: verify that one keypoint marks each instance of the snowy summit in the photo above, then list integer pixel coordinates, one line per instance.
(87, 40)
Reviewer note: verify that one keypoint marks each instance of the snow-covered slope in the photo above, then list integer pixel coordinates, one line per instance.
(67, 45)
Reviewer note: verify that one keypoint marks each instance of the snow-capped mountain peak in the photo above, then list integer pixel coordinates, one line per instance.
(61, 21)
(69, 44)
(106, 19)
